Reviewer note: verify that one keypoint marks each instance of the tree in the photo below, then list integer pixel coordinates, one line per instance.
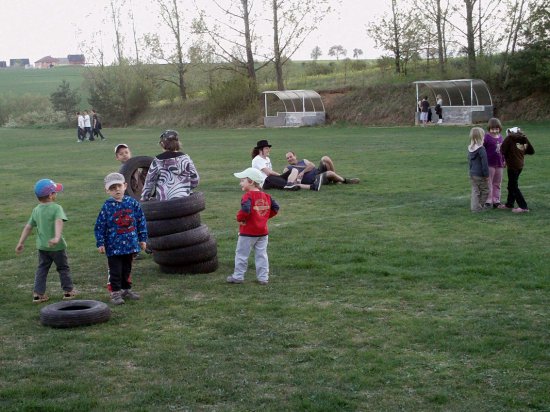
(171, 17)
(530, 67)
(337, 51)
(357, 53)
(401, 33)
(233, 37)
(316, 53)
(293, 21)
(65, 100)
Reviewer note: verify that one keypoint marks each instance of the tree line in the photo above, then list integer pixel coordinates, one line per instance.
(227, 40)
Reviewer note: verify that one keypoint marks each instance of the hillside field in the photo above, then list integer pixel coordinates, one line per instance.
(387, 295)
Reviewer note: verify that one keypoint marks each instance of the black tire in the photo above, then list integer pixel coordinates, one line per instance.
(66, 314)
(132, 166)
(208, 266)
(187, 255)
(181, 239)
(170, 226)
(177, 207)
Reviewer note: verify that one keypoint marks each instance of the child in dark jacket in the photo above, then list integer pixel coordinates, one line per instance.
(120, 231)
(479, 170)
(514, 148)
(256, 209)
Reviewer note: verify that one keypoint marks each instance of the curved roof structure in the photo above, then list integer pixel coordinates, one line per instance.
(460, 92)
(294, 101)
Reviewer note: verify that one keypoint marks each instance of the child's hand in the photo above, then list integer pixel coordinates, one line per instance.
(53, 241)
(19, 248)
(101, 250)
(143, 245)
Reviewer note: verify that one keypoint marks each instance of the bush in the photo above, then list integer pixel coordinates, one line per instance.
(316, 69)
(27, 110)
(230, 97)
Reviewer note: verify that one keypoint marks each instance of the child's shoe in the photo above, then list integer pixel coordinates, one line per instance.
(504, 206)
(39, 298)
(231, 279)
(128, 294)
(520, 210)
(263, 282)
(70, 294)
(116, 299)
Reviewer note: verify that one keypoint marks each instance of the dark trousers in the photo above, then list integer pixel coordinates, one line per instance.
(89, 133)
(514, 194)
(80, 133)
(45, 260)
(97, 132)
(276, 182)
(120, 271)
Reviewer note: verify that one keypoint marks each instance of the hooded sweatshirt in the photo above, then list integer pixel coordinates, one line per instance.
(477, 159)
(514, 148)
(171, 175)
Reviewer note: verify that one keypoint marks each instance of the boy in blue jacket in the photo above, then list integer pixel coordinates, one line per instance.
(120, 232)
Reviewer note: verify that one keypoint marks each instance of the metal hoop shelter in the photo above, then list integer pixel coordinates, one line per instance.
(465, 101)
(293, 108)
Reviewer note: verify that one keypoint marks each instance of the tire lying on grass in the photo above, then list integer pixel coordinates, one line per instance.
(181, 239)
(132, 166)
(170, 226)
(177, 207)
(186, 255)
(207, 266)
(71, 313)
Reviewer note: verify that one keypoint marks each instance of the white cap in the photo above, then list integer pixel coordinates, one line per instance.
(118, 146)
(513, 130)
(253, 174)
(113, 179)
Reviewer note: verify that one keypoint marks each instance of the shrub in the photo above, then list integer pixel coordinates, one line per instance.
(231, 97)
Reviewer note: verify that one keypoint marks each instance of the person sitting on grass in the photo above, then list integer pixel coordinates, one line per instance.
(262, 162)
(307, 176)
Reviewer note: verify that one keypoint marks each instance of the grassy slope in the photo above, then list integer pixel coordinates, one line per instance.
(387, 295)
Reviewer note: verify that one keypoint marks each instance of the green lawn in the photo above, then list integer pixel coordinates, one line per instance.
(384, 296)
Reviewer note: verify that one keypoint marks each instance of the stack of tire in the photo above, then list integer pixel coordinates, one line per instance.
(178, 240)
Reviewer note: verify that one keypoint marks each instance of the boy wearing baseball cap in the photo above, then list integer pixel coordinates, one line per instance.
(48, 217)
(120, 231)
(256, 209)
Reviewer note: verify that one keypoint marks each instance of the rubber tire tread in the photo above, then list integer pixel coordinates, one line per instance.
(177, 207)
(70, 313)
(170, 226)
(207, 266)
(129, 167)
(187, 255)
(181, 239)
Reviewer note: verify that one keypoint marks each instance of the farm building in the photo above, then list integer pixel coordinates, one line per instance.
(3, 64)
(19, 63)
(49, 61)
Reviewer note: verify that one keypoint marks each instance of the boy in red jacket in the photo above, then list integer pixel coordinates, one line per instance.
(257, 208)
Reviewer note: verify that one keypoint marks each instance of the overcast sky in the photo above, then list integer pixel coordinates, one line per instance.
(36, 28)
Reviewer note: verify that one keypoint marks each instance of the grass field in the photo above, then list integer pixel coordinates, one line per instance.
(384, 296)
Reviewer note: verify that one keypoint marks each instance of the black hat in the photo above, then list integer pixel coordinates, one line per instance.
(169, 135)
(261, 144)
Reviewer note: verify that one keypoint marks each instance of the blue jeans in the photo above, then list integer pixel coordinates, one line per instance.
(45, 260)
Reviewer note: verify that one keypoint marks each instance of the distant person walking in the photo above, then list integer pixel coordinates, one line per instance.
(88, 127)
(80, 127)
(96, 125)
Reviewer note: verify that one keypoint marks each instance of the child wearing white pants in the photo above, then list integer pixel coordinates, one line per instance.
(256, 209)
